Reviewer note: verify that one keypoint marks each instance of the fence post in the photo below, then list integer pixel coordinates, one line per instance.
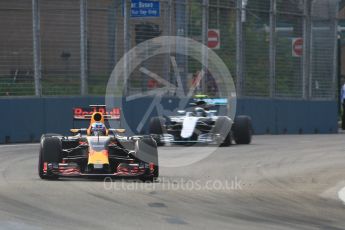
(112, 34)
(167, 32)
(37, 47)
(239, 48)
(272, 48)
(335, 53)
(307, 50)
(126, 44)
(83, 48)
(182, 17)
(205, 43)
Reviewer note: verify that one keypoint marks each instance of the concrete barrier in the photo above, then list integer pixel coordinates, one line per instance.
(26, 119)
(291, 116)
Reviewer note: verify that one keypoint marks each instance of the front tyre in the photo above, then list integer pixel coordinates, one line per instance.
(157, 128)
(146, 151)
(51, 135)
(50, 152)
(222, 127)
(227, 141)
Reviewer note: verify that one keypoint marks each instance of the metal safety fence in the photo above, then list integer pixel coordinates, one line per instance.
(273, 48)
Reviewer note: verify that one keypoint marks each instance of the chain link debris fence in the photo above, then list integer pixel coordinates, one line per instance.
(273, 48)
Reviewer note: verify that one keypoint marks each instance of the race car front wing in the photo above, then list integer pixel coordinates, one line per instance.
(205, 138)
(73, 170)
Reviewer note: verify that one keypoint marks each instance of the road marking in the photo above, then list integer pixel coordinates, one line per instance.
(17, 145)
(341, 195)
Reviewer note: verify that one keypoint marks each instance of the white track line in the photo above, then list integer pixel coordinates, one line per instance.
(17, 145)
(341, 195)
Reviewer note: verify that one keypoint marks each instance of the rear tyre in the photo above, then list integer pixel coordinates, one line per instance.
(243, 130)
(157, 128)
(146, 150)
(50, 152)
(222, 126)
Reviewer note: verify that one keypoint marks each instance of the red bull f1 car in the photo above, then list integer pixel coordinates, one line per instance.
(98, 151)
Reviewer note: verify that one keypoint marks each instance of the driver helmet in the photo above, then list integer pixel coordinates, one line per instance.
(98, 128)
(199, 112)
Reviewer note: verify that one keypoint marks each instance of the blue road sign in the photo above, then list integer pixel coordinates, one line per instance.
(145, 8)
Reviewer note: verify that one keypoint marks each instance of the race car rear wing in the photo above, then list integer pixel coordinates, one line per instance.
(80, 113)
(211, 101)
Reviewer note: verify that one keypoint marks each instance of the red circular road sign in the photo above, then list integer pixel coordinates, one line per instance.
(213, 39)
(297, 47)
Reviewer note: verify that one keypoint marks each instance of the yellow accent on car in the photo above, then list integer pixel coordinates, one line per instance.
(98, 157)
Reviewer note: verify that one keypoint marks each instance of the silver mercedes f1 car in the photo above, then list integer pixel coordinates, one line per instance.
(201, 125)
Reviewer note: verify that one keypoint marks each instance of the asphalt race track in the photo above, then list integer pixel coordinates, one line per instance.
(278, 182)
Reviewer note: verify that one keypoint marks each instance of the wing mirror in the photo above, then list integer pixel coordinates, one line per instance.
(117, 130)
(76, 131)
